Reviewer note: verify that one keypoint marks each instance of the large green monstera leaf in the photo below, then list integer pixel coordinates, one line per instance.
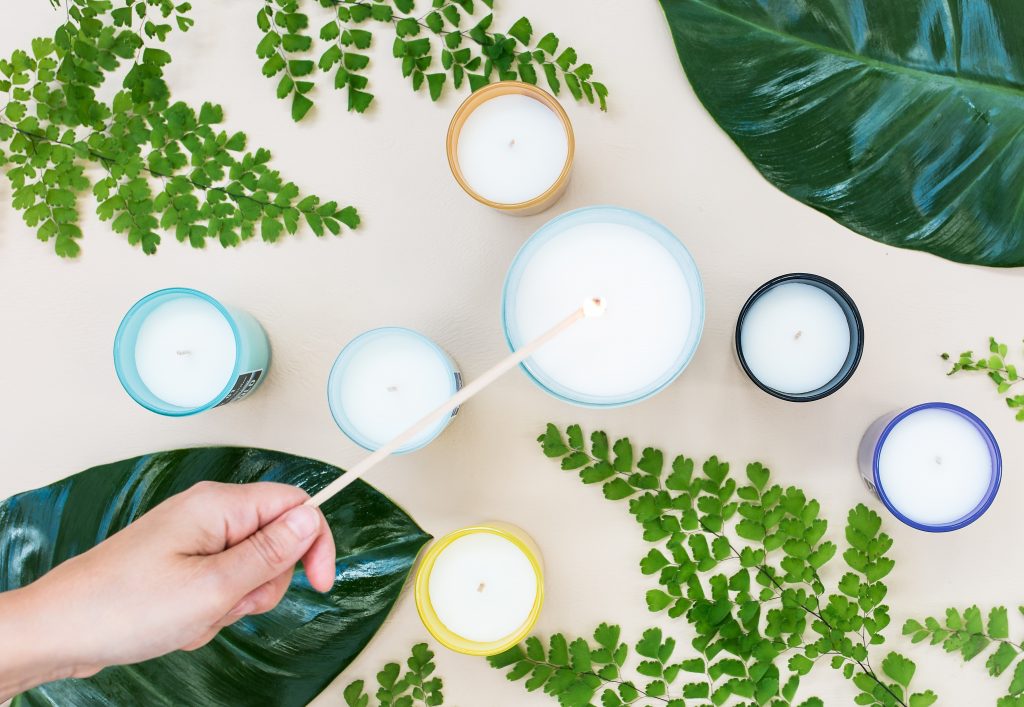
(282, 658)
(901, 119)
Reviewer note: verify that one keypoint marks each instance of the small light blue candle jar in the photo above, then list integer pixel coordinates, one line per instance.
(179, 352)
(387, 379)
(949, 460)
(654, 301)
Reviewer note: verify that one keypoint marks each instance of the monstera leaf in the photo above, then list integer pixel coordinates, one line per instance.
(282, 658)
(901, 119)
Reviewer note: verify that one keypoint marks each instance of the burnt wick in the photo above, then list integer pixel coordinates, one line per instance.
(796, 337)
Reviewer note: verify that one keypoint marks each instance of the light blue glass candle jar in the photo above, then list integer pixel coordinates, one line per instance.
(936, 466)
(384, 381)
(179, 352)
(654, 301)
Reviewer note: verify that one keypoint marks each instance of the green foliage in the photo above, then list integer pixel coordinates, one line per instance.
(967, 633)
(994, 365)
(167, 166)
(739, 561)
(874, 117)
(414, 688)
(449, 43)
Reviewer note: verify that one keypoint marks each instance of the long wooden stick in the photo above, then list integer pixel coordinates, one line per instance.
(593, 308)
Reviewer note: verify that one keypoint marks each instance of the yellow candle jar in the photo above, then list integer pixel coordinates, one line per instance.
(511, 146)
(479, 590)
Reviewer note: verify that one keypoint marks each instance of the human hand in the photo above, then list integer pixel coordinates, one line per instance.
(171, 580)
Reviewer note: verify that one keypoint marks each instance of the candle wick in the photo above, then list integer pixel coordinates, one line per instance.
(481, 587)
(184, 353)
(798, 335)
(512, 142)
(938, 460)
(392, 388)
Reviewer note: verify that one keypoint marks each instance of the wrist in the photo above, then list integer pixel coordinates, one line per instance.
(33, 657)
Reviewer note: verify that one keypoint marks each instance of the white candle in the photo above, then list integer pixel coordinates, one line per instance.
(480, 590)
(654, 313)
(512, 148)
(387, 379)
(185, 352)
(795, 338)
(935, 466)
(483, 587)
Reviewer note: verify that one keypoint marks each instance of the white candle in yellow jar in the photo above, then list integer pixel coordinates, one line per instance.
(479, 590)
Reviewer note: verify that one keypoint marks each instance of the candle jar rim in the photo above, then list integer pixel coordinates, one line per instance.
(853, 318)
(995, 477)
(425, 608)
(342, 421)
(665, 238)
(477, 98)
(124, 374)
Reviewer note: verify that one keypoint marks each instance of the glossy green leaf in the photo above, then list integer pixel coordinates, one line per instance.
(903, 121)
(281, 658)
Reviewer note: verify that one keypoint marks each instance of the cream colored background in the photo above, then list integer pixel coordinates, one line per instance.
(430, 258)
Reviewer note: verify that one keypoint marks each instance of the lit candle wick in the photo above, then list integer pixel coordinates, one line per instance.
(481, 587)
(594, 307)
(797, 336)
(512, 142)
(184, 353)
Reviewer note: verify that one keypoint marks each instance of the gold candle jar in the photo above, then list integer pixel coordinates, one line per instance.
(464, 566)
(504, 88)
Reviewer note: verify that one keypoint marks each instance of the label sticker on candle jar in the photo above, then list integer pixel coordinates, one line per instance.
(244, 385)
(179, 352)
(652, 296)
(385, 380)
(936, 466)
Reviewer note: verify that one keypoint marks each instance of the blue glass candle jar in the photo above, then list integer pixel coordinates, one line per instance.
(654, 301)
(387, 379)
(179, 352)
(936, 466)
(799, 337)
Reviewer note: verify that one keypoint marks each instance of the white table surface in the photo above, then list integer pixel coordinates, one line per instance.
(430, 258)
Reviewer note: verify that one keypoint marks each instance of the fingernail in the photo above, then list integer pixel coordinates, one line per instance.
(303, 521)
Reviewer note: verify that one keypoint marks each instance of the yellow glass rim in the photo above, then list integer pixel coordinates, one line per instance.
(503, 88)
(433, 623)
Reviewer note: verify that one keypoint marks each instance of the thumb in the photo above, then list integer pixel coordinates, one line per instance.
(271, 551)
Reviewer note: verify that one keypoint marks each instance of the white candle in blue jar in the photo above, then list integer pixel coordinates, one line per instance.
(936, 466)
(655, 306)
(180, 352)
(387, 379)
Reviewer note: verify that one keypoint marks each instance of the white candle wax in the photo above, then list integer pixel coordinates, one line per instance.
(185, 352)
(795, 338)
(483, 587)
(512, 148)
(387, 382)
(935, 466)
(645, 327)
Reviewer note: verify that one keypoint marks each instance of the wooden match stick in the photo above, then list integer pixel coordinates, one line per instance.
(592, 308)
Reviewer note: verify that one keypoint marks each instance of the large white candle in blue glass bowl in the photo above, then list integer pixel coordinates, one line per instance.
(935, 466)
(179, 352)
(654, 301)
(385, 380)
